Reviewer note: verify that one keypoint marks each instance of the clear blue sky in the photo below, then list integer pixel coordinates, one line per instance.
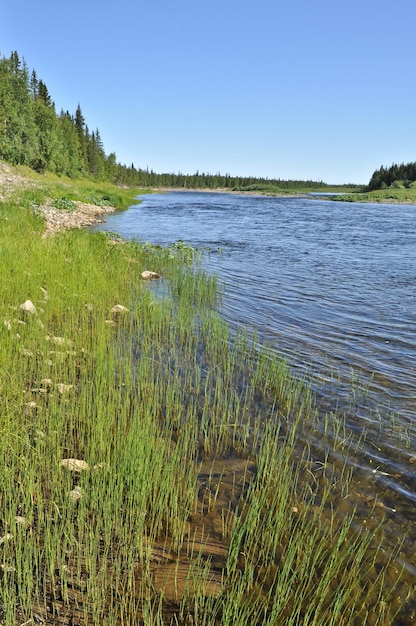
(302, 89)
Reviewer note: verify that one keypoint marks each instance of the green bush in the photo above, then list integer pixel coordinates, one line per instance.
(65, 204)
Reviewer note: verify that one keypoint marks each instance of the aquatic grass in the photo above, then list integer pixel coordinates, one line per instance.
(279, 545)
(195, 287)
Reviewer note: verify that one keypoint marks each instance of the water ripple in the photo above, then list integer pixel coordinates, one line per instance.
(331, 285)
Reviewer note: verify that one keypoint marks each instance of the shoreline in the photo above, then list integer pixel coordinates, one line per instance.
(257, 194)
(87, 214)
(292, 195)
(58, 220)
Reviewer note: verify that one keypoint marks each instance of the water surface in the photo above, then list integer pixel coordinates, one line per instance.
(330, 284)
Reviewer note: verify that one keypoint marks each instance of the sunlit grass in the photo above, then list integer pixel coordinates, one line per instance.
(144, 399)
(49, 185)
(390, 196)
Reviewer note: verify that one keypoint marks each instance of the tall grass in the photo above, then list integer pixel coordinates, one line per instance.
(135, 530)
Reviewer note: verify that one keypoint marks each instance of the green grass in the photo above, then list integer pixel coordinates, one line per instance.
(59, 188)
(200, 502)
(300, 188)
(390, 196)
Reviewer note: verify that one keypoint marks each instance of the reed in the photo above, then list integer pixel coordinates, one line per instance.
(108, 419)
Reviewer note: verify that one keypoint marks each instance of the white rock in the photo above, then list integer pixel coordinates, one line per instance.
(60, 341)
(119, 308)
(62, 388)
(150, 275)
(30, 407)
(75, 465)
(8, 568)
(28, 307)
(22, 521)
(6, 537)
(76, 493)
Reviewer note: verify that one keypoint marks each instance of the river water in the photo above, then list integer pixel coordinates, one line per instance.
(332, 286)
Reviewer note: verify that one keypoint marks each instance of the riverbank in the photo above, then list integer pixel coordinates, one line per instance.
(404, 196)
(85, 214)
(55, 199)
(228, 191)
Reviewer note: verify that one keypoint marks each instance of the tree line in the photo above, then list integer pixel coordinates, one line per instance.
(403, 175)
(32, 133)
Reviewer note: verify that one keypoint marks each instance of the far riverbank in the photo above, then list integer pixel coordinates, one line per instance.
(401, 196)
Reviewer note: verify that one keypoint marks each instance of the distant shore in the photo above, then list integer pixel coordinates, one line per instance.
(85, 213)
(382, 197)
(258, 194)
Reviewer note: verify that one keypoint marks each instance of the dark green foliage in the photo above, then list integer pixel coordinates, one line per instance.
(18, 132)
(146, 178)
(396, 175)
(65, 204)
(82, 132)
(68, 158)
(32, 134)
(47, 133)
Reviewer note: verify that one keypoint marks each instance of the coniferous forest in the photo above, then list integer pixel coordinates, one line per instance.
(398, 176)
(33, 133)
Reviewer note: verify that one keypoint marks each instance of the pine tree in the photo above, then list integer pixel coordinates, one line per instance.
(43, 94)
(82, 131)
(34, 84)
(46, 123)
(96, 156)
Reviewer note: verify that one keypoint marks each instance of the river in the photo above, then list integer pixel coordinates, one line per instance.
(332, 286)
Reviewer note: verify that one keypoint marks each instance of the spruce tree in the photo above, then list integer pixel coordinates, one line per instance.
(69, 161)
(82, 131)
(46, 123)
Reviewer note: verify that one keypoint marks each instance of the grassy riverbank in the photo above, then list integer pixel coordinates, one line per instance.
(381, 196)
(154, 469)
